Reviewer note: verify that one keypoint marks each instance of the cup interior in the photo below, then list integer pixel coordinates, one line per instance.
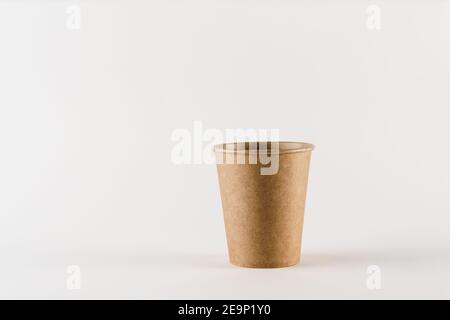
(266, 146)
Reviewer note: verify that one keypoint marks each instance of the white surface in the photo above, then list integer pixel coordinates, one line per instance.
(86, 118)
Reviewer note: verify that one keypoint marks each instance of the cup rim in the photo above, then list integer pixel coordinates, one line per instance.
(283, 147)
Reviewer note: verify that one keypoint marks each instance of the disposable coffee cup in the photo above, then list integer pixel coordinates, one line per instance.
(263, 190)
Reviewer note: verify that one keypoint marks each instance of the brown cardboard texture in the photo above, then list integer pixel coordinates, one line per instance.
(263, 214)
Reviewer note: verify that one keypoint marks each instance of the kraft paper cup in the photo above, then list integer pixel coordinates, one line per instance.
(263, 213)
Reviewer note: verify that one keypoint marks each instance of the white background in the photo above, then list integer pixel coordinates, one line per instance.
(86, 118)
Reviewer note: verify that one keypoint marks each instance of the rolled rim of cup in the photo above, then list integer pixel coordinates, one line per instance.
(273, 147)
